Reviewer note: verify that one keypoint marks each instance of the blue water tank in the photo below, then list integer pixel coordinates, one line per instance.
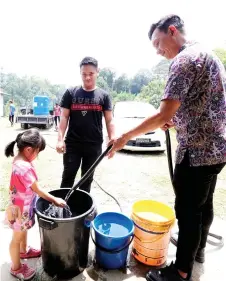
(41, 105)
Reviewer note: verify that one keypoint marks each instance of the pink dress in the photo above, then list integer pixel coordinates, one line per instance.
(22, 197)
(57, 111)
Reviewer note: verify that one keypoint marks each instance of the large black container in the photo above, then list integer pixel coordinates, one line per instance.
(65, 242)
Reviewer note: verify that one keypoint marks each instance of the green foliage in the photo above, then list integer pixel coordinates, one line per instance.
(142, 78)
(122, 84)
(23, 89)
(160, 71)
(152, 93)
(123, 96)
(145, 86)
(108, 75)
(221, 53)
(102, 83)
(107, 80)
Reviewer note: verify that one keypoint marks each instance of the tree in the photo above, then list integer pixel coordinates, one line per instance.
(160, 71)
(122, 84)
(102, 83)
(108, 75)
(221, 53)
(142, 78)
(23, 89)
(123, 96)
(152, 93)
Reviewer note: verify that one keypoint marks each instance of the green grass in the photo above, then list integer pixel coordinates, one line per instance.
(4, 182)
(3, 198)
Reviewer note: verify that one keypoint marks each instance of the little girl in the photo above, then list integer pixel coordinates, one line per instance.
(23, 189)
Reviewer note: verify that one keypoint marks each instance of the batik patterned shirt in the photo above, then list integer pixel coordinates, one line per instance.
(197, 79)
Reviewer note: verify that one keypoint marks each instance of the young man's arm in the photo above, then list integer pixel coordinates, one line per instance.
(65, 113)
(109, 120)
(108, 116)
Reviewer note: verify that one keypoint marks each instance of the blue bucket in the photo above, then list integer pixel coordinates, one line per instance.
(113, 235)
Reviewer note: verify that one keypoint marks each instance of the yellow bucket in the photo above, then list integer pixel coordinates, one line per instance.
(153, 223)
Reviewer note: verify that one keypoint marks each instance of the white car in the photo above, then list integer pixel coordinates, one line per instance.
(129, 114)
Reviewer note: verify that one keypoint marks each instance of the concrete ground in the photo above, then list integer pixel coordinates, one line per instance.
(212, 270)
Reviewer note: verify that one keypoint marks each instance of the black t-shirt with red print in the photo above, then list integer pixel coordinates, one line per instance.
(86, 114)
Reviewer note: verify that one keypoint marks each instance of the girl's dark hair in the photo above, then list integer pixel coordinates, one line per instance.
(31, 138)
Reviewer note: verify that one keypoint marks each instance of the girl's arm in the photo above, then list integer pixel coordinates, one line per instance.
(47, 196)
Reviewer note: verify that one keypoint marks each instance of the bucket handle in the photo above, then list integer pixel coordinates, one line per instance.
(166, 228)
(114, 251)
(46, 224)
(160, 236)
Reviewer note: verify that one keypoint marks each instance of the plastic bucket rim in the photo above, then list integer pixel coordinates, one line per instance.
(146, 221)
(66, 219)
(159, 203)
(154, 201)
(110, 236)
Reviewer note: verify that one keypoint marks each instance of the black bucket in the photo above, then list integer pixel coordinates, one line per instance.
(65, 242)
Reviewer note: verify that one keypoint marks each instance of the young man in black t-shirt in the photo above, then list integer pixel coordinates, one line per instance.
(82, 111)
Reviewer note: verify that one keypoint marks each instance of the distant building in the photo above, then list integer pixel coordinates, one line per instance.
(2, 94)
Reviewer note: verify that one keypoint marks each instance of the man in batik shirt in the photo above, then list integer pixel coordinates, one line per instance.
(194, 99)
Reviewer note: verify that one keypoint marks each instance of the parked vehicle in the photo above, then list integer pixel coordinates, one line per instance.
(39, 116)
(129, 114)
(26, 110)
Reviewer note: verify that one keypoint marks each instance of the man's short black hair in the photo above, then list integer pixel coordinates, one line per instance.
(89, 61)
(164, 23)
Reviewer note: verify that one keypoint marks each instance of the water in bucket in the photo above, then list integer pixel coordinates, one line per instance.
(113, 229)
(58, 212)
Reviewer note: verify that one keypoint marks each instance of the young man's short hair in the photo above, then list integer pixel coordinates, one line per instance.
(89, 61)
